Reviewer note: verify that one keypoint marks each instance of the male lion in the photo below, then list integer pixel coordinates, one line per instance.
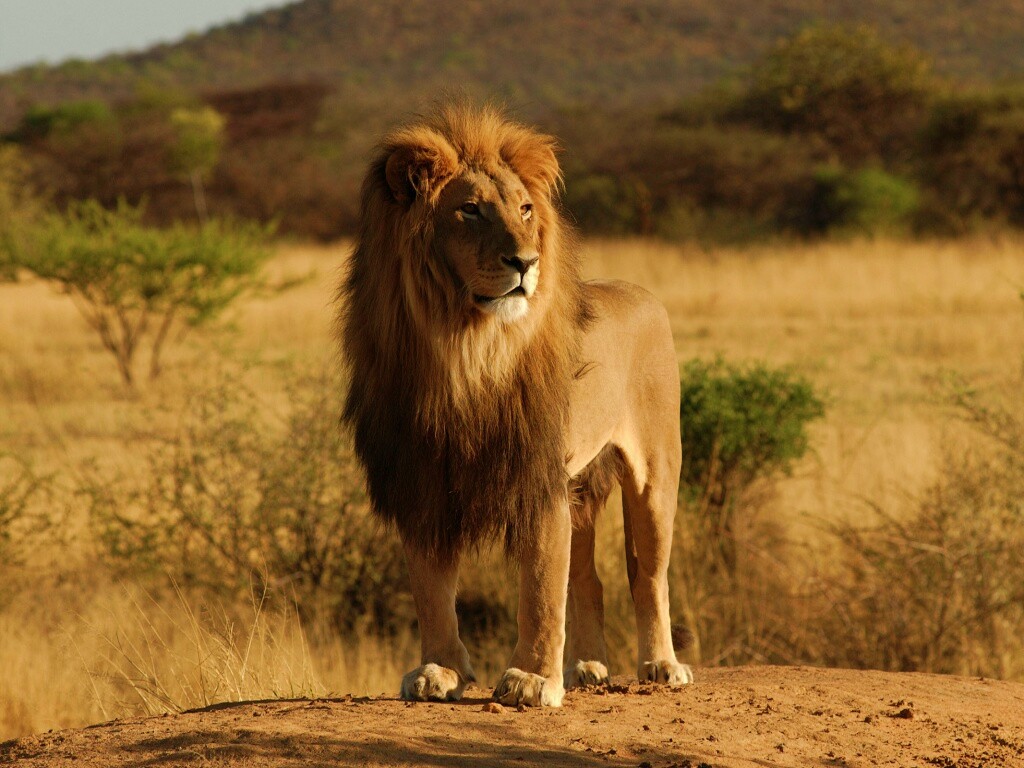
(494, 393)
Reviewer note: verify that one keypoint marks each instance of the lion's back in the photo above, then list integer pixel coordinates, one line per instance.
(627, 315)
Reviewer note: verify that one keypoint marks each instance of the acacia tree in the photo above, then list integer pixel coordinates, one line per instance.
(131, 282)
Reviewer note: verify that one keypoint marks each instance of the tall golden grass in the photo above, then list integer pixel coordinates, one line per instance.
(873, 324)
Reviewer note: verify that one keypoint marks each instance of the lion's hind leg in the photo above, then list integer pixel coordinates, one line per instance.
(445, 670)
(586, 658)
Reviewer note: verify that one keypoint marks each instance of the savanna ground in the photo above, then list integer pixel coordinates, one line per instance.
(876, 326)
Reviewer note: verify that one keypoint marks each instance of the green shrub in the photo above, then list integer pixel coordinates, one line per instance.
(131, 282)
(742, 427)
(200, 137)
(244, 498)
(63, 119)
(864, 201)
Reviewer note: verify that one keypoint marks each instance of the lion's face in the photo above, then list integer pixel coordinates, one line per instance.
(474, 193)
(486, 233)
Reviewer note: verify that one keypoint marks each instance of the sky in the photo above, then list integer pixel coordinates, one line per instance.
(51, 31)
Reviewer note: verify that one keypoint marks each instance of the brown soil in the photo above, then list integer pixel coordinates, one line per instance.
(752, 716)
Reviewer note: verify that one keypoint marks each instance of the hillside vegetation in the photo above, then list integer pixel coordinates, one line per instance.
(542, 54)
(725, 122)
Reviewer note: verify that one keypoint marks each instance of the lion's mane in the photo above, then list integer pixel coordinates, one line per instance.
(459, 419)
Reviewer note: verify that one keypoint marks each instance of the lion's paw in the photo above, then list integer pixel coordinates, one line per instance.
(586, 673)
(433, 682)
(517, 687)
(666, 671)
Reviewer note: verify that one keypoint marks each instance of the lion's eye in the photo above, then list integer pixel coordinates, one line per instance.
(526, 209)
(470, 209)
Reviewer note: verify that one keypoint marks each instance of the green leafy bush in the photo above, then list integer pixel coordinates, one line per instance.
(63, 119)
(864, 201)
(742, 427)
(200, 136)
(133, 283)
(246, 499)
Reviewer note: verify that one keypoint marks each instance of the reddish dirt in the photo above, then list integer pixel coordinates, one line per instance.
(752, 716)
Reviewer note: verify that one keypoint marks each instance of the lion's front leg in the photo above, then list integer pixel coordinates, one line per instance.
(534, 676)
(444, 669)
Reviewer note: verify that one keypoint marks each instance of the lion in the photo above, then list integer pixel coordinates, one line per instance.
(495, 394)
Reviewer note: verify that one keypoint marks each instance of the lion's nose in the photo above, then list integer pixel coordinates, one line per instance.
(521, 262)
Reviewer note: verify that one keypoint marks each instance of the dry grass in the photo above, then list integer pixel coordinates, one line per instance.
(873, 324)
(116, 651)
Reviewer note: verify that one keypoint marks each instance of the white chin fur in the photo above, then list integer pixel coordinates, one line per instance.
(508, 309)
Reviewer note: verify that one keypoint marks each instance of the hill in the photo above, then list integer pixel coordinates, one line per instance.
(900, 124)
(540, 54)
(729, 718)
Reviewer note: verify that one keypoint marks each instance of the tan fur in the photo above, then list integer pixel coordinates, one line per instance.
(493, 393)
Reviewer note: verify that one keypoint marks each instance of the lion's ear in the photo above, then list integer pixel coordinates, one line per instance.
(419, 163)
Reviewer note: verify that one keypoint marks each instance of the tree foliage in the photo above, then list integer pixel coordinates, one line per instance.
(133, 283)
(199, 136)
(20, 208)
(848, 87)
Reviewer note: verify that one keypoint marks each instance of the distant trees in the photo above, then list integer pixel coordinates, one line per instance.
(826, 134)
(972, 158)
(20, 209)
(860, 96)
(250, 153)
(834, 130)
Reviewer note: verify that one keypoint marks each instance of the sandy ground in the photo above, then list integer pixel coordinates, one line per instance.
(752, 716)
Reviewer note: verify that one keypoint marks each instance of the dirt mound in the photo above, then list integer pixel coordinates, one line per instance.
(752, 716)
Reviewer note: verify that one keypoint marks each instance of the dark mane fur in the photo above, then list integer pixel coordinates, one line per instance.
(460, 423)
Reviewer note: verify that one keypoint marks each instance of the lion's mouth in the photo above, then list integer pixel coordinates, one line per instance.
(517, 291)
